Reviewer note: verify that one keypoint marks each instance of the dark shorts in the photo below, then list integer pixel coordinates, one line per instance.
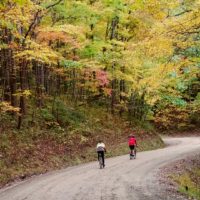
(132, 147)
(101, 153)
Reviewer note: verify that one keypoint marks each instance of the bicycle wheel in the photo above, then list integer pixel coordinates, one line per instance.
(100, 162)
(131, 155)
(135, 152)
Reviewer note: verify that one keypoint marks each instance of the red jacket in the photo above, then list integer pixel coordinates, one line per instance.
(132, 141)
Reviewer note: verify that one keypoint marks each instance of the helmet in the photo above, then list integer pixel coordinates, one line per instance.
(100, 140)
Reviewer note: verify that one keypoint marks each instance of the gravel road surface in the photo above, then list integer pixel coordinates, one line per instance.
(122, 179)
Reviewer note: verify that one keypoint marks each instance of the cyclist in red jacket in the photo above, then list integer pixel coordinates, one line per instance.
(132, 142)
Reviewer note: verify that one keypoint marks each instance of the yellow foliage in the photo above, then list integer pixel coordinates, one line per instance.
(6, 107)
(38, 53)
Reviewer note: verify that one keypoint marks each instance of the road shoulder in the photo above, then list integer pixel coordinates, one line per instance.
(180, 178)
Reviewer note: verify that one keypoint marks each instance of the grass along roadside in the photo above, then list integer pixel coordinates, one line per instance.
(186, 175)
(189, 183)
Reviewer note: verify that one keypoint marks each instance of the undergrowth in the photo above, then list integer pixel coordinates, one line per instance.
(189, 183)
(189, 180)
(67, 136)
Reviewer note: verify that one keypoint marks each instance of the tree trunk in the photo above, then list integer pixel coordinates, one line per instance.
(13, 79)
(22, 87)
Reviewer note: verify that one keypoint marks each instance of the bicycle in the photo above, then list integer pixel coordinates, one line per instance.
(133, 154)
(101, 166)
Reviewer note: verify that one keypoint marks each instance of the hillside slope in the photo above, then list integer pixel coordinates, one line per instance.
(46, 146)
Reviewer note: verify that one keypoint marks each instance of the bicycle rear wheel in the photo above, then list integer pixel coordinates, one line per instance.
(100, 162)
(135, 152)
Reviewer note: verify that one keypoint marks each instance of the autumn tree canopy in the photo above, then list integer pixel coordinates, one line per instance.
(138, 59)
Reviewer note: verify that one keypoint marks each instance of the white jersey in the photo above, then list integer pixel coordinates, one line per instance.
(101, 146)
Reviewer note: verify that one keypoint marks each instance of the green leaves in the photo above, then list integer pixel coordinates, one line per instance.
(174, 100)
(21, 2)
(93, 49)
(69, 64)
(147, 47)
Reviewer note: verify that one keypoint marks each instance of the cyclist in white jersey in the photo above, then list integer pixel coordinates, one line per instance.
(101, 149)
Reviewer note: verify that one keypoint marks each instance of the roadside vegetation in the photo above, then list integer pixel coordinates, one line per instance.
(189, 180)
(38, 149)
(190, 184)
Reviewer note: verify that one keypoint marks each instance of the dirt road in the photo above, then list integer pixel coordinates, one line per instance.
(122, 179)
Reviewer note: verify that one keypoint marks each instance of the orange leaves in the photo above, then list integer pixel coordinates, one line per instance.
(50, 36)
(171, 117)
(6, 107)
(70, 35)
(13, 45)
(107, 91)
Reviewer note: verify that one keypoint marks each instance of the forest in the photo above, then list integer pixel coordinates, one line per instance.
(71, 70)
(137, 60)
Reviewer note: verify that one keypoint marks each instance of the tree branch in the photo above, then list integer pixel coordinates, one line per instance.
(37, 18)
(183, 12)
(34, 22)
(52, 5)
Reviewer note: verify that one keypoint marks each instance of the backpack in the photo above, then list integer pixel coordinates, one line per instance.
(132, 141)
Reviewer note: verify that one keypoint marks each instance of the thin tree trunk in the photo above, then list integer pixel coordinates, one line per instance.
(22, 98)
(13, 79)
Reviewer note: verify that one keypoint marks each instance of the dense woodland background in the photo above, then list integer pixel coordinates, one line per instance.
(137, 59)
(73, 70)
